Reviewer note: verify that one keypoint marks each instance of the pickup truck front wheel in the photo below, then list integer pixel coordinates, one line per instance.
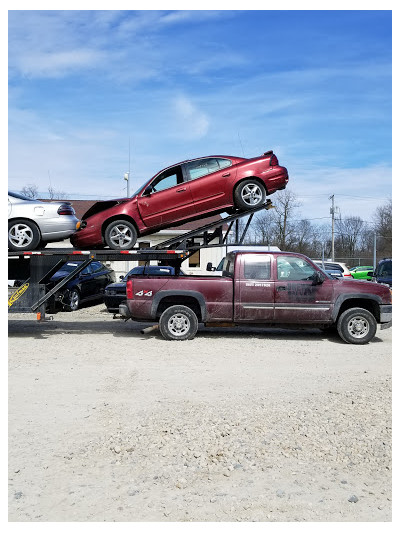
(356, 326)
(178, 323)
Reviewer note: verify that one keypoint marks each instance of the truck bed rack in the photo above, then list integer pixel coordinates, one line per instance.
(212, 231)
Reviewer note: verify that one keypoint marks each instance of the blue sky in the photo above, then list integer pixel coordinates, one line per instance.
(314, 86)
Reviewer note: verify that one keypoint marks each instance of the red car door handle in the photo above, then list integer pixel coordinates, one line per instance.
(181, 190)
(226, 174)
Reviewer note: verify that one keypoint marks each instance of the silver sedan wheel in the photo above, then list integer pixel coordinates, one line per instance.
(121, 236)
(252, 194)
(21, 235)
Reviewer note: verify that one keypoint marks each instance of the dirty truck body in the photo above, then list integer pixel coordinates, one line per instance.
(264, 288)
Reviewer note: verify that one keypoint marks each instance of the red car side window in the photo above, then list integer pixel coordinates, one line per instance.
(167, 179)
(202, 167)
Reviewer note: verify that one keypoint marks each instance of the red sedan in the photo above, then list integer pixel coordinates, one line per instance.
(187, 191)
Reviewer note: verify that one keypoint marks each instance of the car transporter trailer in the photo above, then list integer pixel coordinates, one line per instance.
(34, 269)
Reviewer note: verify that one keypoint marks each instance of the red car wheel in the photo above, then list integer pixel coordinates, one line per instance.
(120, 235)
(249, 194)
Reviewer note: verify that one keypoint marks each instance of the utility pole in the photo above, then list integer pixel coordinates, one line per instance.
(127, 174)
(374, 264)
(333, 225)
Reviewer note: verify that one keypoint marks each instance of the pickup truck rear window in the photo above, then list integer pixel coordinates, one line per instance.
(257, 267)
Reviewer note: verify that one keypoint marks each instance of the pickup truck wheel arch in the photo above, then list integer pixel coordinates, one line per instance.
(356, 326)
(370, 302)
(192, 299)
(178, 323)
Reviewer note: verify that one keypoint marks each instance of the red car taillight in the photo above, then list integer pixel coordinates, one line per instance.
(66, 209)
(273, 161)
(129, 289)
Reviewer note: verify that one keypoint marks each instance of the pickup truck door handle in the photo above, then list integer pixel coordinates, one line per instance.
(226, 174)
(181, 190)
(281, 288)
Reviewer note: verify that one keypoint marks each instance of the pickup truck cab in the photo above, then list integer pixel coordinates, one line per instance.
(260, 289)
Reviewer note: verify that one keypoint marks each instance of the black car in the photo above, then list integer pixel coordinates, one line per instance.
(383, 272)
(86, 286)
(116, 292)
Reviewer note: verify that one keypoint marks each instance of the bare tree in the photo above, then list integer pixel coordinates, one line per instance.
(56, 195)
(30, 191)
(263, 228)
(276, 226)
(383, 228)
(305, 237)
(350, 231)
(285, 203)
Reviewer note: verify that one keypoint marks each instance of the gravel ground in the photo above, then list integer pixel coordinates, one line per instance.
(107, 424)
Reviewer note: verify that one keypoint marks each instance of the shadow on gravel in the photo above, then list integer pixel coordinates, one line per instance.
(120, 328)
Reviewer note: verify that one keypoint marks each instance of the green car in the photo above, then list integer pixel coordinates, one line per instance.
(361, 272)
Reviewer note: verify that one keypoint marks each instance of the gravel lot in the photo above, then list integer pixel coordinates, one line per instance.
(108, 424)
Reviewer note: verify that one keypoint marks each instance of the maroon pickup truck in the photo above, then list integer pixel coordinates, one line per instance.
(260, 289)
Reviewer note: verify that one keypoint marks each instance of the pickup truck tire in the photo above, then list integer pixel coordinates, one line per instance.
(249, 194)
(356, 326)
(178, 323)
(120, 235)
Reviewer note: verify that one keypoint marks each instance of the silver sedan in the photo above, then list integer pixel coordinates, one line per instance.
(32, 223)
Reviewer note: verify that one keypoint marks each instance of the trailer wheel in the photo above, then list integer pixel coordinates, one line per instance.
(178, 323)
(249, 194)
(120, 235)
(23, 235)
(74, 300)
(356, 326)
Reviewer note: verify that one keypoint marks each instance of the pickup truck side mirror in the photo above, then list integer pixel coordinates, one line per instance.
(318, 278)
(210, 267)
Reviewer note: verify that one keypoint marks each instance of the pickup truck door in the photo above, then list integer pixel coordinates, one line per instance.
(298, 298)
(254, 289)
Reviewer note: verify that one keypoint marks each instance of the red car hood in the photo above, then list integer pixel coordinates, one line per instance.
(102, 206)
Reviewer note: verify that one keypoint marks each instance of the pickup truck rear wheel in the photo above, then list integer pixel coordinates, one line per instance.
(178, 323)
(356, 326)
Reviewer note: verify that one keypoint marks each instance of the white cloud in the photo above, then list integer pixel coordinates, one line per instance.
(55, 64)
(189, 121)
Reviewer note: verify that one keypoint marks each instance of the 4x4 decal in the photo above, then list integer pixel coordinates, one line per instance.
(144, 293)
